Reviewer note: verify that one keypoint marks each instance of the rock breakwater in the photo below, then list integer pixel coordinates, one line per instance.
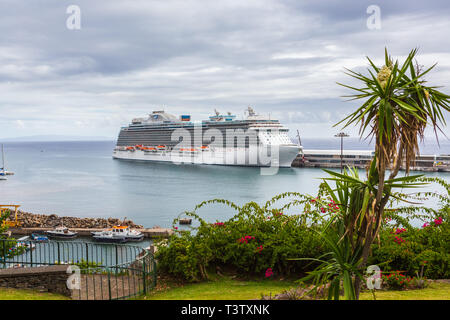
(31, 220)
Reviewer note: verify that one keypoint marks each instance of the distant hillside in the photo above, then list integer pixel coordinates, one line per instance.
(56, 138)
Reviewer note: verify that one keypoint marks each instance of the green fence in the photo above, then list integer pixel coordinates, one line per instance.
(100, 271)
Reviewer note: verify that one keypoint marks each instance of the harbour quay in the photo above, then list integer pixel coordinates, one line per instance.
(86, 232)
(315, 158)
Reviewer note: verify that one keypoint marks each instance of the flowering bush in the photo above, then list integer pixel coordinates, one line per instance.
(269, 272)
(256, 241)
(415, 245)
(396, 280)
(259, 238)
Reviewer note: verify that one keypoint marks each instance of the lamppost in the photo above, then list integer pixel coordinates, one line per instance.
(342, 135)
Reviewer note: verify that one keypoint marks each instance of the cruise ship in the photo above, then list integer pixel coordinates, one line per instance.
(256, 140)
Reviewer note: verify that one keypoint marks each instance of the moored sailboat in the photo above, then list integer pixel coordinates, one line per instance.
(3, 171)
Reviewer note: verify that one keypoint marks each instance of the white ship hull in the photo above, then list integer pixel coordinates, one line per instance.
(277, 156)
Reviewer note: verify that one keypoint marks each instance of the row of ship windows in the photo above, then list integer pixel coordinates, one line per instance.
(223, 130)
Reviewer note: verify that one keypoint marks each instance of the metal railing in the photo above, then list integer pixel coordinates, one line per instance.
(104, 271)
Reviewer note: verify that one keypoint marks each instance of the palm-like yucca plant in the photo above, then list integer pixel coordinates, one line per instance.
(398, 107)
(345, 232)
(338, 265)
(342, 262)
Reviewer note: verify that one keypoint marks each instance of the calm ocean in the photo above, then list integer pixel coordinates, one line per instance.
(81, 179)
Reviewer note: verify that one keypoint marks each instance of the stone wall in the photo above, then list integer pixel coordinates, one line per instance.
(49, 278)
(31, 220)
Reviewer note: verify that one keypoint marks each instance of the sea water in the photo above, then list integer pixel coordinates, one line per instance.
(81, 179)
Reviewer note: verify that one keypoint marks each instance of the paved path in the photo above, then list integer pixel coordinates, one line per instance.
(95, 287)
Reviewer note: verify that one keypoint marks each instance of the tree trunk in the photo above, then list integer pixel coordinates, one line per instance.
(378, 209)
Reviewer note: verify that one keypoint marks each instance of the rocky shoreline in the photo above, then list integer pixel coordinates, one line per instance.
(31, 220)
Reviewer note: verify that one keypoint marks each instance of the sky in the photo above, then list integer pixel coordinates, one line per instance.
(193, 56)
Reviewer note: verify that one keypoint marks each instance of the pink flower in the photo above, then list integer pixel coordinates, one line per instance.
(269, 272)
(426, 224)
(399, 240)
(399, 230)
(438, 221)
(322, 209)
(246, 239)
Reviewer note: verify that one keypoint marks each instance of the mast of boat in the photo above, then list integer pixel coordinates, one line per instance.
(3, 160)
(2, 169)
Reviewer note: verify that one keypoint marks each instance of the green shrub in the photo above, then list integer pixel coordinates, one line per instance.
(412, 248)
(254, 240)
(396, 280)
(258, 238)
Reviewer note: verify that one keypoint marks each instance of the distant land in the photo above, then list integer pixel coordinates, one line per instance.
(42, 138)
(429, 146)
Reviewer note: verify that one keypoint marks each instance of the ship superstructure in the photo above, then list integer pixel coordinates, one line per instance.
(254, 141)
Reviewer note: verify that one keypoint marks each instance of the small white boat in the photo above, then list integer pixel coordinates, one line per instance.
(61, 232)
(120, 231)
(39, 237)
(108, 237)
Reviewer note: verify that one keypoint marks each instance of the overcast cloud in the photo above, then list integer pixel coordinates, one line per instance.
(191, 56)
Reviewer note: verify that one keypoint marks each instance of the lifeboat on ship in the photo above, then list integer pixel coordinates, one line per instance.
(188, 150)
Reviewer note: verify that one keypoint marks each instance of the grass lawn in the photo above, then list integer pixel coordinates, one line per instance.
(25, 294)
(435, 291)
(227, 289)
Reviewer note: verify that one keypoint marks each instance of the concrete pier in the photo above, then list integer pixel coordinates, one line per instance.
(361, 158)
(86, 232)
